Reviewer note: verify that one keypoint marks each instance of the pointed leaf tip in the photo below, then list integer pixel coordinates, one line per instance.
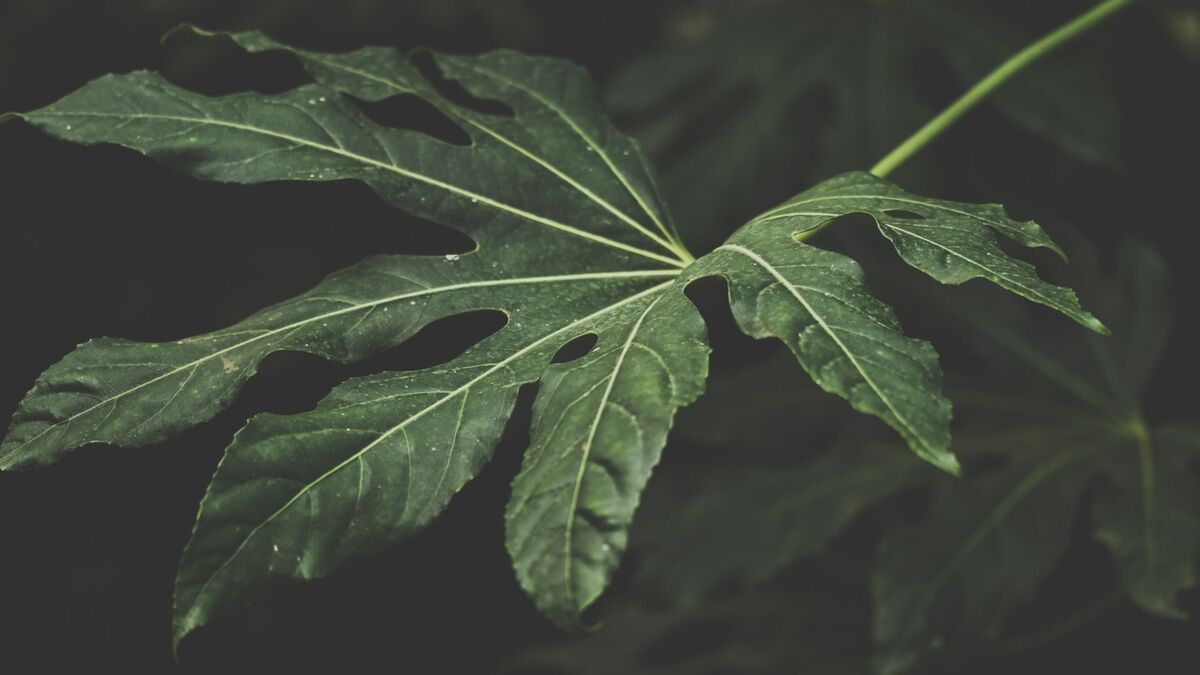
(949, 463)
(1097, 326)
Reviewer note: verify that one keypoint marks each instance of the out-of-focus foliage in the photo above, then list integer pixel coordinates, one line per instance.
(808, 617)
(754, 97)
(1067, 434)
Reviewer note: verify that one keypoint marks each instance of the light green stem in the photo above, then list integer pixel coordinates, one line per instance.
(993, 80)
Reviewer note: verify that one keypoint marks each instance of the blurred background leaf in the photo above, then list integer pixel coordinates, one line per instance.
(735, 103)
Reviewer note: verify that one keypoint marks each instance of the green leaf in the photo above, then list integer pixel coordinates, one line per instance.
(561, 126)
(599, 426)
(133, 393)
(952, 242)
(850, 343)
(297, 496)
(1145, 510)
(314, 134)
(984, 549)
(817, 615)
(571, 240)
(1149, 516)
(1087, 427)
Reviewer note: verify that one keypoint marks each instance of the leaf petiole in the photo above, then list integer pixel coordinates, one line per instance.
(934, 127)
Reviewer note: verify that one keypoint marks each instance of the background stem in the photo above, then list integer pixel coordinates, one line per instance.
(993, 80)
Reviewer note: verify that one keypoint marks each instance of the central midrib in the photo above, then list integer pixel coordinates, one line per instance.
(759, 260)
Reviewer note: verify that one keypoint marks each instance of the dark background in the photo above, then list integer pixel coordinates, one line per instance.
(99, 241)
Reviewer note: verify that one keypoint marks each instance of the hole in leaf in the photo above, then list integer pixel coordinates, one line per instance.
(904, 215)
(575, 349)
(407, 111)
(218, 67)
(345, 214)
(292, 382)
(443, 340)
(710, 295)
(454, 91)
(838, 226)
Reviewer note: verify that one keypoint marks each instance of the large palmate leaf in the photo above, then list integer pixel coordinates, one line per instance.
(732, 102)
(572, 242)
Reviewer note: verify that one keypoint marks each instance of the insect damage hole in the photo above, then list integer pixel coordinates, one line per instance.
(575, 349)
(408, 111)
(454, 91)
(904, 215)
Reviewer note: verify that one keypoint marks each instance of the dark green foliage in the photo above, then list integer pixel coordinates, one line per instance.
(755, 91)
(573, 240)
